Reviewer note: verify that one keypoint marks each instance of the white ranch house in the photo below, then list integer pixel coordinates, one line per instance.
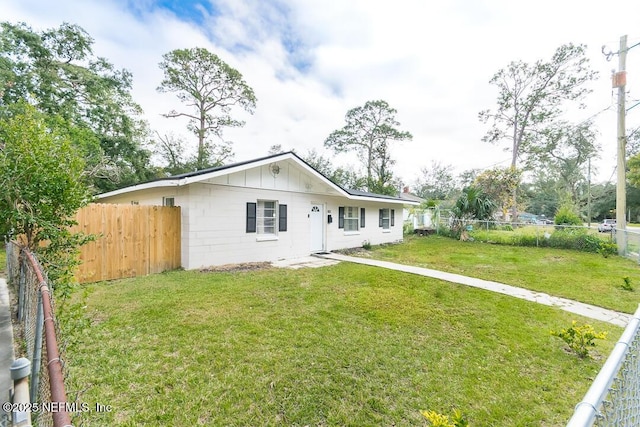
(266, 209)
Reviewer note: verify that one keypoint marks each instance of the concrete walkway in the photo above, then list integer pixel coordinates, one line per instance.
(6, 344)
(586, 310)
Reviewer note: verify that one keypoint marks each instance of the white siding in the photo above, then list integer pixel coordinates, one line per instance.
(337, 238)
(217, 226)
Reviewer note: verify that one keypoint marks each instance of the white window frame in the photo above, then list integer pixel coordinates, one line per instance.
(267, 215)
(351, 217)
(386, 219)
(168, 201)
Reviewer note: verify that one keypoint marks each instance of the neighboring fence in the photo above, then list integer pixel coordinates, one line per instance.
(39, 330)
(614, 396)
(633, 243)
(544, 230)
(131, 240)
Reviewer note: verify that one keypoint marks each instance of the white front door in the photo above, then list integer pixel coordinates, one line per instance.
(316, 222)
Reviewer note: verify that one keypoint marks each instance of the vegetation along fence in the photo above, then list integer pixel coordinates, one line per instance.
(38, 329)
(131, 240)
(542, 234)
(614, 396)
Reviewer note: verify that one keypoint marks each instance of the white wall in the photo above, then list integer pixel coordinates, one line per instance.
(216, 226)
(214, 216)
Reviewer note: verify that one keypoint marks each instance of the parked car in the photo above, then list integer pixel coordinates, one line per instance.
(544, 221)
(607, 225)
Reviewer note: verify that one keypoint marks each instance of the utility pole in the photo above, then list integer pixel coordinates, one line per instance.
(619, 81)
(589, 193)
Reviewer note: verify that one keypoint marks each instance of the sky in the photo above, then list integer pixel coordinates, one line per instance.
(309, 62)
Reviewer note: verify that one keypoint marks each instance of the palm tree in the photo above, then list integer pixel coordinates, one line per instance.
(473, 204)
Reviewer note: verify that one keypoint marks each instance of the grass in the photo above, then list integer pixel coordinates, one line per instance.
(584, 277)
(347, 345)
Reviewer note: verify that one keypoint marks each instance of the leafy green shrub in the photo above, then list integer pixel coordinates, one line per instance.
(588, 242)
(506, 227)
(580, 338)
(607, 248)
(407, 228)
(438, 420)
(567, 216)
(626, 284)
(366, 245)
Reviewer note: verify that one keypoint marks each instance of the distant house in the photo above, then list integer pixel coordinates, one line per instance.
(267, 209)
(419, 218)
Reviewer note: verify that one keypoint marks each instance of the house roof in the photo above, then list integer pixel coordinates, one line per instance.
(411, 197)
(204, 174)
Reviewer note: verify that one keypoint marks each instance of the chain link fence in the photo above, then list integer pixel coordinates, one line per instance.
(632, 238)
(614, 396)
(37, 336)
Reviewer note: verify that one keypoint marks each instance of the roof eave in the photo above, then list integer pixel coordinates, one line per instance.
(139, 187)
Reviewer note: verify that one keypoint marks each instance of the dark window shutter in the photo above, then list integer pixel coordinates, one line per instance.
(393, 217)
(282, 219)
(362, 216)
(380, 218)
(251, 217)
(341, 217)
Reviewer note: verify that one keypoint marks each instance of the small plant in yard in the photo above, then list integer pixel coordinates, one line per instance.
(605, 249)
(626, 284)
(579, 338)
(366, 245)
(438, 420)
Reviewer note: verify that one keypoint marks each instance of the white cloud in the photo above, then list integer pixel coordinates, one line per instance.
(430, 60)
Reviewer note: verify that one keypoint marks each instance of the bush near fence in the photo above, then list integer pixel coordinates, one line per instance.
(578, 238)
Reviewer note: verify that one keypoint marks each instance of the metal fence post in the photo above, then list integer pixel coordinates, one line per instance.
(37, 352)
(22, 279)
(20, 375)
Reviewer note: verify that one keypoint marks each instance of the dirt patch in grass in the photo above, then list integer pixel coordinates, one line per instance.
(361, 252)
(232, 268)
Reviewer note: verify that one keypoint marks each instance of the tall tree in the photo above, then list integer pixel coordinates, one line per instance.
(368, 131)
(172, 152)
(57, 72)
(499, 184)
(436, 182)
(531, 97)
(344, 177)
(564, 151)
(209, 88)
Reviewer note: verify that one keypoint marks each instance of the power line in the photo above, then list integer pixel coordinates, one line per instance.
(634, 105)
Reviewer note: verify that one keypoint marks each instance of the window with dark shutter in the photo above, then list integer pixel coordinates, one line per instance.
(362, 215)
(384, 220)
(282, 220)
(393, 217)
(341, 217)
(251, 217)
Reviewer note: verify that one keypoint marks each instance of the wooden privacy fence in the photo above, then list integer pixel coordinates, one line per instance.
(131, 240)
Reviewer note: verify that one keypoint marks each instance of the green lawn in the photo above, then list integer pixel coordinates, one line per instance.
(347, 345)
(581, 276)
